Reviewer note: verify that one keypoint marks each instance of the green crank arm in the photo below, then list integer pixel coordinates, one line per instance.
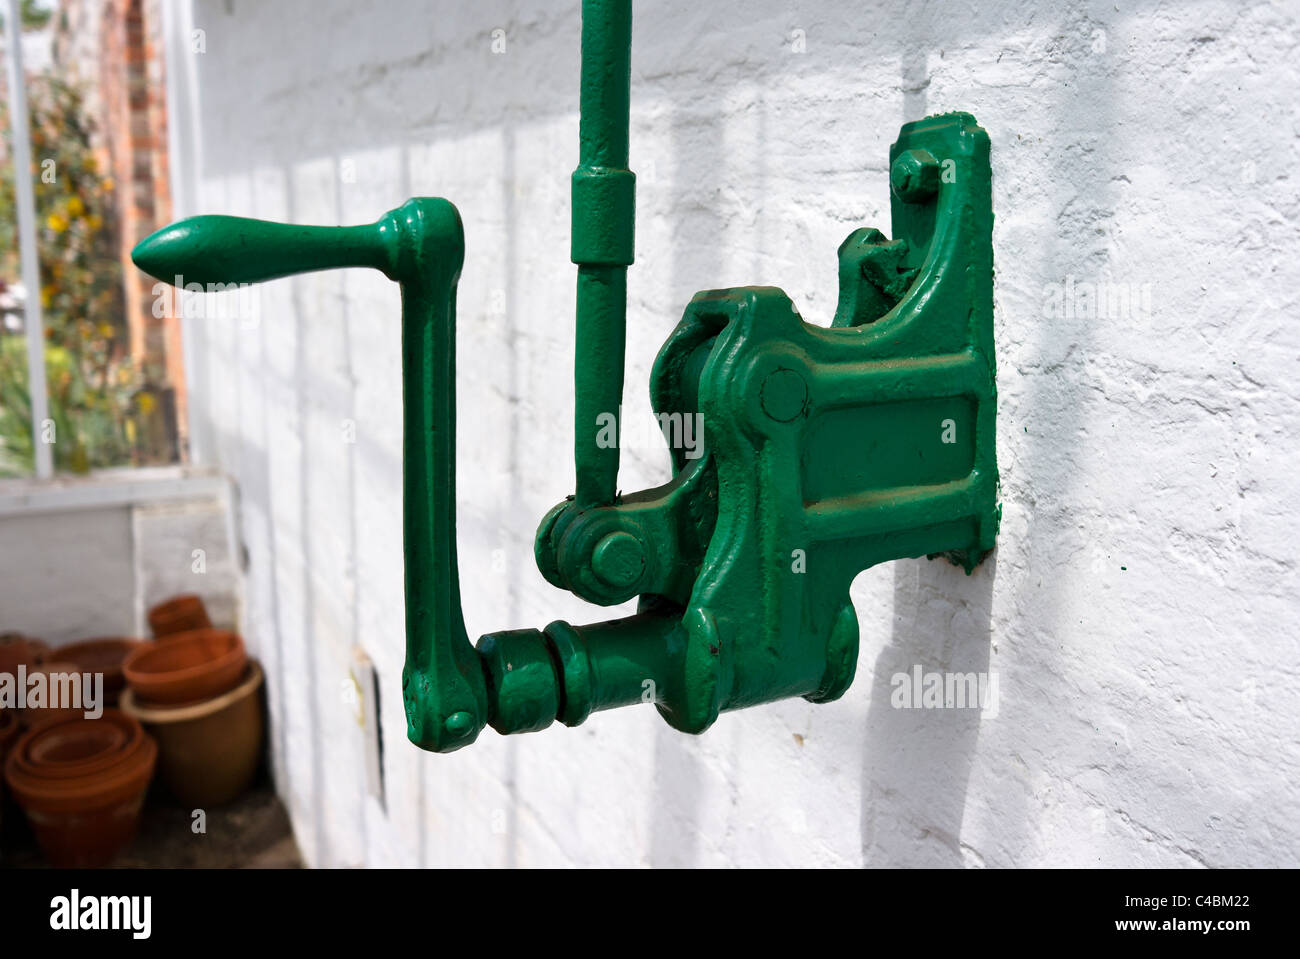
(420, 245)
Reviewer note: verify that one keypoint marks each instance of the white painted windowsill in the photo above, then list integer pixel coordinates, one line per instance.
(111, 487)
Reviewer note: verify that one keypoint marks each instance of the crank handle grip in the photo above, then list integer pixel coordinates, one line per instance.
(232, 249)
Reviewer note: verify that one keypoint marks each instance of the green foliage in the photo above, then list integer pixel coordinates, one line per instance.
(91, 380)
(33, 15)
(86, 426)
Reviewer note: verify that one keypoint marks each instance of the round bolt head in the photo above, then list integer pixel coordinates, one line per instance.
(784, 395)
(618, 559)
(915, 176)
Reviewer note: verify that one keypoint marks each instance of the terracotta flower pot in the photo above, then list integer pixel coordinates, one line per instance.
(105, 656)
(82, 783)
(180, 614)
(32, 716)
(207, 752)
(186, 668)
(17, 649)
(60, 749)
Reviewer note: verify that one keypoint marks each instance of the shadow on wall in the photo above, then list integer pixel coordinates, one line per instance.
(917, 758)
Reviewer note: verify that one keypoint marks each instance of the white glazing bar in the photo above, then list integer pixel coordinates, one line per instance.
(26, 203)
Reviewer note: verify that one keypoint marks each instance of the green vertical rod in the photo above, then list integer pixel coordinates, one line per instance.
(602, 247)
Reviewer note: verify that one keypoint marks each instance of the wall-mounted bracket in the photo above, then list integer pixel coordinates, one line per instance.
(825, 450)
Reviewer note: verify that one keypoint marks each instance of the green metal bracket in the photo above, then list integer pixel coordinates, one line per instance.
(826, 450)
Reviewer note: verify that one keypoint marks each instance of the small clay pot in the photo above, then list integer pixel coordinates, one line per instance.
(186, 668)
(82, 787)
(59, 749)
(104, 655)
(208, 752)
(32, 716)
(180, 614)
(17, 649)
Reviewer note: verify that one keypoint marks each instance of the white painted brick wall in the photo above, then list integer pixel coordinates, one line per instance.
(1140, 612)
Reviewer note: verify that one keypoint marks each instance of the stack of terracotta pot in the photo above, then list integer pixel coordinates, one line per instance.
(82, 783)
(197, 692)
(189, 705)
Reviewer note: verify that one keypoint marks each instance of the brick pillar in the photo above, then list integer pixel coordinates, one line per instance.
(133, 85)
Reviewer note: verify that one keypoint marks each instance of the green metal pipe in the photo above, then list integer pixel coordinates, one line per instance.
(603, 215)
(606, 82)
(568, 672)
(627, 661)
(599, 350)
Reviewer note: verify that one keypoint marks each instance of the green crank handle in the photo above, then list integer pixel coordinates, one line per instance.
(421, 245)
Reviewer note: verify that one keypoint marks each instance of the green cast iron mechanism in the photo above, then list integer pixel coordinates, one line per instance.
(825, 450)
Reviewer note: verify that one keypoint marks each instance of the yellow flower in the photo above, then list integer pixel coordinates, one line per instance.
(106, 330)
(47, 295)
(94, 222)
(76, 207)
(57, 222)
(106, 183)
(146, 403)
